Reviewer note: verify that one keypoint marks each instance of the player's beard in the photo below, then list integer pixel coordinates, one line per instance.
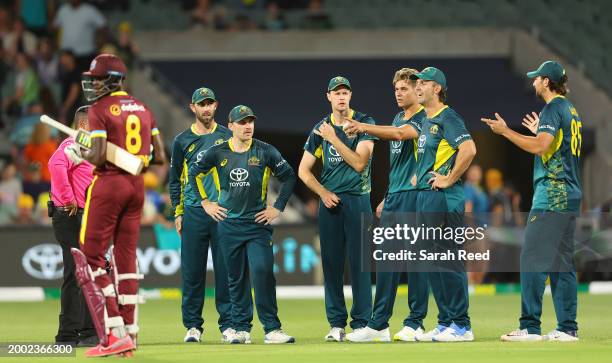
(206, 120)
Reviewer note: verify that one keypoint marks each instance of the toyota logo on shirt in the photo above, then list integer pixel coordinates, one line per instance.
(334, 156)
(239, 177)
(44, 261)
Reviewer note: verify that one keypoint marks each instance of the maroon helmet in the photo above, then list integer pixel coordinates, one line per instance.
(105, 75)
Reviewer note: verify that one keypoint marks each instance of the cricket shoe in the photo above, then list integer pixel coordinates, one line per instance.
(227, 335)
(241, 337)
(521, 335)
(115, 346)
(193, 336)
(335, 335)
(559, 336)
(454, 334)
(428, 337)
(367, 334)
(278, 337)
(407, 334)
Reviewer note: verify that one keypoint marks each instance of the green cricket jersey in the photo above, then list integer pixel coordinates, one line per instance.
(242, 178)
(403, 154)
(336, 175)
(188, 147)
(437, 148)
(556, 174)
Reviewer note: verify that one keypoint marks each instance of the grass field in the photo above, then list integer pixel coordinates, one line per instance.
(162, 333)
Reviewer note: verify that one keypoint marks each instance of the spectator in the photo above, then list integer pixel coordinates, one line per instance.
(47, 63)
(27, 87)
(19, 40)
(36, 14)
(4, 69)
(476, 200)
(32, 183)
(5, 23)
(22, 132)
(40, 149)
(476, 207)
(79, 24)
(153, 203)
(126, 46)
(70, 79)
(220, 17)
(201, 15)
(10, 190)
(503, 200)
(317, 18)
(275, 20)
(25, 210)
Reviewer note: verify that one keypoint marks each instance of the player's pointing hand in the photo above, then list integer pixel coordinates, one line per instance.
(214, 210)
(352, 127)
(498, 125)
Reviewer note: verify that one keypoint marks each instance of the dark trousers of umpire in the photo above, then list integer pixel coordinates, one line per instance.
(549, 252)
(341, 233)
(400, 208)
(247, 252)
(74, 320)
(447, 279)
(198, 233)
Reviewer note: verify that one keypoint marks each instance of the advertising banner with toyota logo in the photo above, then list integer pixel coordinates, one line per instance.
(31, 257)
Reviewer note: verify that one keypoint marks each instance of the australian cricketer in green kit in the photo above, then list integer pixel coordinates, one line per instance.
(445, 150)
(198, 230)
(242, 167)
(549, 236)
(399, 206)
(345, 202)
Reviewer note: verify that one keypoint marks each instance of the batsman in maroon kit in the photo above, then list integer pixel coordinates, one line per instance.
(113, 206)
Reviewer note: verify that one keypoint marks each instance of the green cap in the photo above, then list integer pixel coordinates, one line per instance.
(240, 112)
(431, 74)
(337, 82)
(202, 94)
(551, 69)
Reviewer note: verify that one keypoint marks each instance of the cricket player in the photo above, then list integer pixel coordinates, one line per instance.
(242, 167)
(344, 190)
(444, 152)
(113, 206)
(400, 199)
(549, 235)
(197, 229)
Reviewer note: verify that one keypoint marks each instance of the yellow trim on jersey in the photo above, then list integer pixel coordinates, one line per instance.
(331, 117)
(554, 146)
(199, 182)
(86, 211)
(319, 152)
(231, 145)
(439, 112)
(196, 133)
(215, 175)
(557, 96)
(421, 108)
(97, 133)
(264, 183)
(415, 145)
(119, 93)
(154, 131)
(180, 208)
(444, 152)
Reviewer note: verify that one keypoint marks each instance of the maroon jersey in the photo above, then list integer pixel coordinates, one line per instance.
(124, 121)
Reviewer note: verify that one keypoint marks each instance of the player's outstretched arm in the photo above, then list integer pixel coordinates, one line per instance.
(537, 145)
(305, 174)
(390, 133)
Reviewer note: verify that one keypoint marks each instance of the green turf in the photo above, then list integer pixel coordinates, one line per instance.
(162, 333)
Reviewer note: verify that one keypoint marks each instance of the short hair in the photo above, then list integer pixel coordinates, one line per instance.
(559, 87)
(404, 75)
(443, 95)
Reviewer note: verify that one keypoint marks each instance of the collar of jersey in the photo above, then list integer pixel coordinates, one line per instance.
(231, 146)
(421, 108)
(557, 96)
(439, 112)
(119, 93)
(195, 132)
(331, 117)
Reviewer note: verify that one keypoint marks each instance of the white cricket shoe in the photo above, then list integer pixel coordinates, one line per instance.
(428, 337)
(454, 334)
(559, 336)
(193, 336)
(241, 337)
(335, 335)
(278, 337)
(521, 335)
(407, 334)
(368, 334)
(227, 335)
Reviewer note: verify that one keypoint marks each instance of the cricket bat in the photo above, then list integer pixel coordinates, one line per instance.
(114, 154)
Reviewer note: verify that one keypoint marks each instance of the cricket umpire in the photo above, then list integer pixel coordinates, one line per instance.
(69, 182)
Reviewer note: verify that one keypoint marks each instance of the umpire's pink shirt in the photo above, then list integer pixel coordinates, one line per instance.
(69, 182)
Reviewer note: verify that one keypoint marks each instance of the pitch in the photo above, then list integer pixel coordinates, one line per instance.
(162, 333)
